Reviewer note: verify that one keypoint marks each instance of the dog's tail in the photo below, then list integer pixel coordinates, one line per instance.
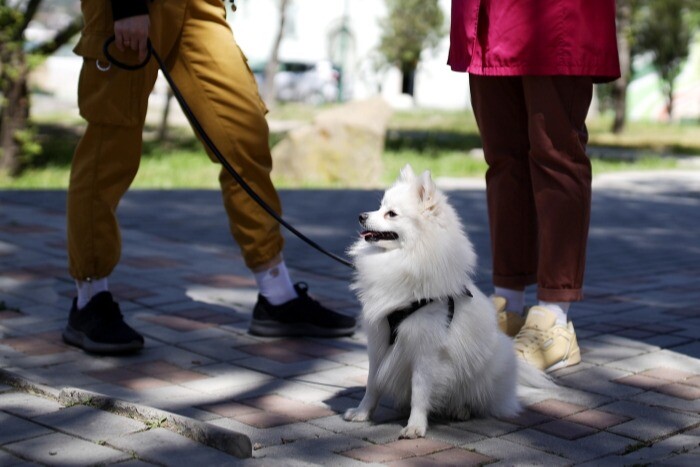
(531, 377)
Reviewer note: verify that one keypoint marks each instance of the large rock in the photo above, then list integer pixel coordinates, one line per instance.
(342, 146)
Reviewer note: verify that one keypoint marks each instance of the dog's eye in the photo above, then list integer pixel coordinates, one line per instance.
(391, 214)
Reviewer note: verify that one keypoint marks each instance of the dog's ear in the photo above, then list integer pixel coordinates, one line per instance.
(406, 174)
(426, 189)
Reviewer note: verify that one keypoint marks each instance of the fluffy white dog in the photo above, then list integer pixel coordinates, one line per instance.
(433, 337)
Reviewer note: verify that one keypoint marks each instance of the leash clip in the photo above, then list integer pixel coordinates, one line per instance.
(103, 67)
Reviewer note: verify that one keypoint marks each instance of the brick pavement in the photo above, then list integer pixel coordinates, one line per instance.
(635, 398)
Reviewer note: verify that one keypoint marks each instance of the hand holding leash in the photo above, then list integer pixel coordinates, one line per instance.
(132, 33)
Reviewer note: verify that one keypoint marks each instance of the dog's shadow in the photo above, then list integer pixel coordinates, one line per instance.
(349, 398)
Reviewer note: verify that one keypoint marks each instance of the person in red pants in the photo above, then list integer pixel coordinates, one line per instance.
(532, 66)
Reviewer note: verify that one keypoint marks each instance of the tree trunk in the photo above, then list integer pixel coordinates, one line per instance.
(619, 90)
(14, 119)
(669, 99)
(163, 130)
(273, 61)
(408, 79)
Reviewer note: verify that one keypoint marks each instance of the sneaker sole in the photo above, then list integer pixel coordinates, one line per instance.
(573, 359)
(76, 338)
(277, 329)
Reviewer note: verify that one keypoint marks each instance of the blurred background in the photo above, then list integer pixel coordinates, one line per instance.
(372, 74)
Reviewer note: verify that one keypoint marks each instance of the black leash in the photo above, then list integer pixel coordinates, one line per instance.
(210, 144)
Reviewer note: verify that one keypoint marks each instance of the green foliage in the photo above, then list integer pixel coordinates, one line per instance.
(439, 141)
(27, 142)
(665, 29)
(11, 24)
(411, 27)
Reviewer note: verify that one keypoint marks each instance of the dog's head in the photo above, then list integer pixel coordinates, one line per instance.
(406, 207)
(414, 241)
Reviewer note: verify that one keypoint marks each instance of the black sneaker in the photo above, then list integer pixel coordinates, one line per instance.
(100, 328)
(302, 316)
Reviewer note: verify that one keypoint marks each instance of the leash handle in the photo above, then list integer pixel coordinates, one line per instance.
(122, 65)
(210, 144)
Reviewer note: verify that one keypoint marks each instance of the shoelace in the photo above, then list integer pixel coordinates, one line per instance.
(528, 338)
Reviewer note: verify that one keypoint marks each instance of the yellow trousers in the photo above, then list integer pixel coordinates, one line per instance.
(196, 43)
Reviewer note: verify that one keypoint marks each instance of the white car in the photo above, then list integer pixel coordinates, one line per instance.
(310, 82)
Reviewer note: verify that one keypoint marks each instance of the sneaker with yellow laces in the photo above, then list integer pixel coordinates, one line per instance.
(509, 322)
(544, 343)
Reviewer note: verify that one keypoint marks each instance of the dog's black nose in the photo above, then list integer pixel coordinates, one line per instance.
(363, 218)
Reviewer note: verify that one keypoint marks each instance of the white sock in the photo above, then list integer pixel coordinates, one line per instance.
(88, 289)
(561, 309)
(276, 285)
(515, 299)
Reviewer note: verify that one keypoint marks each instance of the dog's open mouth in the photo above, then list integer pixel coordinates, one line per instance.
(374, 236)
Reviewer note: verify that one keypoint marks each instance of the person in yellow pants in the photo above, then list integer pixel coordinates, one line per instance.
(198, 47)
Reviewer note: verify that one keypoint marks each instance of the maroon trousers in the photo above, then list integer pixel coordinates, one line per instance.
(538, 184)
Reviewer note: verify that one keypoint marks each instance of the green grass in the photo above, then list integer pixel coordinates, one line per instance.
(439, 141)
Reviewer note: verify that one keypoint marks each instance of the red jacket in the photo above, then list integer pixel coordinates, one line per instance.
(534, 37)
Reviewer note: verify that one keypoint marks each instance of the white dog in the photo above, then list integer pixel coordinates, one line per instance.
(433, 337)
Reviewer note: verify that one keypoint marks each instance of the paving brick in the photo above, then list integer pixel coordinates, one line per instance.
(657, 399)
(8, 460)
(220, 349)
(653, 428)
(166, 371)
(33, 346)
(528, 418)
(88, 423)
(60, 449)
(566, 429)
(668, 374)
(597, 419)
(262, 419)
(556, 409)
(277, 435)
(450, 435)
(510, 453)
(26, 405)
(14, 428)
(486, 426)
(579, 450)
(641, 381)
(673, 358)
(682, 391)
(127, 378)
(306, 452)
(166, 447)
(450, 457)
(287, 370)
(177, 323)
(662, 450)
(396, 450)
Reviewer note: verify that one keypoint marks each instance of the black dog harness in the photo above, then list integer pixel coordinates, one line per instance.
(396, 317)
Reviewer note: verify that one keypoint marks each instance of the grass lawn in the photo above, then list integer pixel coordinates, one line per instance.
(442, 141)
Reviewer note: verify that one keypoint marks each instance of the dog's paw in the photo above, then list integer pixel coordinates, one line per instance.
(413, 431)
(356, 415)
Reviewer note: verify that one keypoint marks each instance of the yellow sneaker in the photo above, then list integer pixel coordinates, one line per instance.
(509, 322)
(545, 344)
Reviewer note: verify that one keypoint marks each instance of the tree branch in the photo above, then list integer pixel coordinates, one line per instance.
(28, 15)
(63, 36)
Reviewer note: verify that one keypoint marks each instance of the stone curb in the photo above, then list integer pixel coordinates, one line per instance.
(228, 441)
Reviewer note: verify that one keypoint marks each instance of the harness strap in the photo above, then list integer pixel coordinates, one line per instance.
(396, 317)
